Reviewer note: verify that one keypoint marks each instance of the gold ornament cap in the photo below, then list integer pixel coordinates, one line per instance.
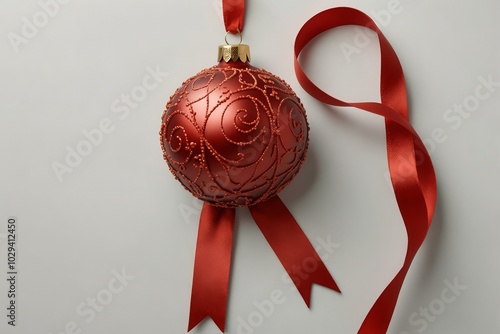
(234, 52)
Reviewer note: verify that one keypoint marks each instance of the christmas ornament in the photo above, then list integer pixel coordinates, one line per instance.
(235, 135)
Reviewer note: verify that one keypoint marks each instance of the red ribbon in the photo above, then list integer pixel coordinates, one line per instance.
(292, 247)
(234, 14)
(212, 265)
(213, 257)
(415, 184)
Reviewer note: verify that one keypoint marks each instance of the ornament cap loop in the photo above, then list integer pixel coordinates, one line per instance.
(234, 52)
(240, 35)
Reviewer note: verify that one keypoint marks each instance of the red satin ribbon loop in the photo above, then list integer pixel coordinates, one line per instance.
(410, 166)
(234, 15)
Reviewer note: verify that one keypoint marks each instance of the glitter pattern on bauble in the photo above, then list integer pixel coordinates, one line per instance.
(234, 135)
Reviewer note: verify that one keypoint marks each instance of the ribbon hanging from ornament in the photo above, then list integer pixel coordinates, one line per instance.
(213, 256)
(415, 187)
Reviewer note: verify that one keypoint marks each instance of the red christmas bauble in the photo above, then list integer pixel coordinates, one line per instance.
(234, 135)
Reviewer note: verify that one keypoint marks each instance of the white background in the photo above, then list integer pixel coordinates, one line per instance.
(119, 209)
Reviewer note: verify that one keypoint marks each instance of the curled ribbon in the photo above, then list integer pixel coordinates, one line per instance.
(415, 188)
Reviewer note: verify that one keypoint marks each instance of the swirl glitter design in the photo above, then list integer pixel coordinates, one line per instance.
(234, 136)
